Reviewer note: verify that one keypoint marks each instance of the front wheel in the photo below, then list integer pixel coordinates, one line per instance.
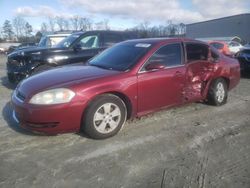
(218, 92)
(12, 78)
(104, 117)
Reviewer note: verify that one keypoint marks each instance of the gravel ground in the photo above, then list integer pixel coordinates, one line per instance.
(191, 146)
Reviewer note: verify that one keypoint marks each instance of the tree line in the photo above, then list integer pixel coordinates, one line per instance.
(20, 30)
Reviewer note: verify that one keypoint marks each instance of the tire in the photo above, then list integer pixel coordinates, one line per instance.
(218, 92)
(104, 117)
(12, 78)
(40, 69)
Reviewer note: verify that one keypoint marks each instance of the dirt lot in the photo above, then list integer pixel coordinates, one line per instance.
(191, 146)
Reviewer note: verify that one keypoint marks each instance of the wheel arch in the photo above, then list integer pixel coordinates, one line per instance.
(120, 95)
(226, 79)
(210, 82)
(126, 101)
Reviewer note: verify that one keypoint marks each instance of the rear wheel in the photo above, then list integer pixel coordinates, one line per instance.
(218, 92)
(104, 117)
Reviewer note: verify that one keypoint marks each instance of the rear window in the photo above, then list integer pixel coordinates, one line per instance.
(196, 51)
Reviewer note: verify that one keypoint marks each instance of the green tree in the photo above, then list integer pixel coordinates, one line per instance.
(8, 30)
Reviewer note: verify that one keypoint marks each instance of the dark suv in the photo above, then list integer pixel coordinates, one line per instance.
(76, 48)
(244, 58)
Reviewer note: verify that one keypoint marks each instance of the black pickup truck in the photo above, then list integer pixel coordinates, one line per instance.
(76, 48)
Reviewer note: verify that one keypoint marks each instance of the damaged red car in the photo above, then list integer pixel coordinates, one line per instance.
(130, 79)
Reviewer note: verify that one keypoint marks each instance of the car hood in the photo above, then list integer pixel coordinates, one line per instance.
(66, 76)
(33, 51)
(26, 48)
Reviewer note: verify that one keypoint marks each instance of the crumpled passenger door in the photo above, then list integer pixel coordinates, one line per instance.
(198, 73)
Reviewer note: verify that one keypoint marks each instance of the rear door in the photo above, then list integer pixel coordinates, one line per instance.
(108, 39)
(199, 70)
(163, 87)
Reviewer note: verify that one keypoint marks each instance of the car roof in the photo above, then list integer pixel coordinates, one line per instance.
(58, 35)
(164, 40)
(218, 41)
(103, 32)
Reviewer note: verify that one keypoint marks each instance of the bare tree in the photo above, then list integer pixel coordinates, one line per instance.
(66, 24)
(28, 29)
(19, 26)
(85, 24)
(75, 22)
(102, 25)
(60, 22)
(81, 23)
(52, 24)
(89, 24)
(44, 27)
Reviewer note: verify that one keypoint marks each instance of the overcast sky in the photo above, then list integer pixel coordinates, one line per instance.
(123, 13)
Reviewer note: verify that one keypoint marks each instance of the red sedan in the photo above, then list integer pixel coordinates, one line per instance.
(131, 79)
(222, 47)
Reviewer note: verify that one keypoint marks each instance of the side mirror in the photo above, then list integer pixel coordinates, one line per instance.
(154, 66)
(77, 47)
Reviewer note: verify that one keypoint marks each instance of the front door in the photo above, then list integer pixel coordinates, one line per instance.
(86, 48)
(162, 87)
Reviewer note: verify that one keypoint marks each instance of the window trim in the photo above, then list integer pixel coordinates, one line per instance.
(182, 58)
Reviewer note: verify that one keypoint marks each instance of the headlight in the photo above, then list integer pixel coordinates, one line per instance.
(21, 53)
(53, 96)
(56, 58)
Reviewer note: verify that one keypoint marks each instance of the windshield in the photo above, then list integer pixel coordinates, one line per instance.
(121, 57)
(65, 43)
(50, 41)
(42, 42)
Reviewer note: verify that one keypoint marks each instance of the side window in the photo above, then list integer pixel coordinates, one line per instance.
(217, 45)
(111, 39)
(169, 55)
(196, 51)
(88, 42)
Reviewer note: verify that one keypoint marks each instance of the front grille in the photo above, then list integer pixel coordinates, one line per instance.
(20, 96)
(16, 63)
(13, 62)
(42, 125)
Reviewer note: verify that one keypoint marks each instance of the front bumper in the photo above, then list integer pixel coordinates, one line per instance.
(16, 73)
(51, 120)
